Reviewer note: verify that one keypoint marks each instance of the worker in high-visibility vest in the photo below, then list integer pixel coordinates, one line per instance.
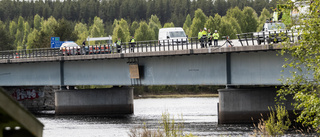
(132, 44)
(209, 37)
(215, 36)
(275, 15)
(118, 43)
(204, 38)
(200, 35)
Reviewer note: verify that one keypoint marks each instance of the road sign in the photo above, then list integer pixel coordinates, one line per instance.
(55, 42)
(55, 39)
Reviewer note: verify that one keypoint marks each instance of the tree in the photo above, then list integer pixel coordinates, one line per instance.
(168, 25)
(5, 39)
(144, 33)
(122, 28)
(64, 30)
(133, 27)
(217, 22)
(303, 84)
(238, 15)
(250, 20)
(99, 26)
(155, 25)
(187, 24)
(265, 14)
(82, 31)
(197, 23)
(210, 25)
(226, 28)
(37, 22)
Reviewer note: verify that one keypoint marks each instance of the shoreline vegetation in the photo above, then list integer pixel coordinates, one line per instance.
(176, 96)
(175, 91)
(172, 91)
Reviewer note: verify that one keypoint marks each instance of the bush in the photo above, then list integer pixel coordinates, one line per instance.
(277, 123)
(168, 128)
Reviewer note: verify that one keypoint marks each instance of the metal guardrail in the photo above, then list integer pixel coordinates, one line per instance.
(266, 38)
(141, 46)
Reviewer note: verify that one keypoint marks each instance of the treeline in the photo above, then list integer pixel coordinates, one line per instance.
(131, 10)
(25, 31)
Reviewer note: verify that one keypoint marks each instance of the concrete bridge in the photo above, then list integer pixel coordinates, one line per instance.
(238, 66)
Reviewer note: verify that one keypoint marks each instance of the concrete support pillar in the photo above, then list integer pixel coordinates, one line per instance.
(247, 105)
(94, 101)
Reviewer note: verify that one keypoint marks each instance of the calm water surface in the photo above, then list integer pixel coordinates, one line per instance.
(199, 115)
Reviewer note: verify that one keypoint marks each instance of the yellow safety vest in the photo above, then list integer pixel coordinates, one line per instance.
(119, 42)
(132, 40)
(215, 35)
(204, 33)
(199, 35)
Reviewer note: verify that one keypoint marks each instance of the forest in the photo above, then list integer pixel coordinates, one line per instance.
(30, 24)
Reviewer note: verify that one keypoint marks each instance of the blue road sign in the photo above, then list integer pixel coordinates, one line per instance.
(55, 42)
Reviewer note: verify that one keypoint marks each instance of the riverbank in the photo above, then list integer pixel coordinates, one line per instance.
(176, 96)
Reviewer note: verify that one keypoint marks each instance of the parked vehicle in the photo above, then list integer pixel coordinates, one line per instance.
(271, 32)
(70, 48)
(174, 35)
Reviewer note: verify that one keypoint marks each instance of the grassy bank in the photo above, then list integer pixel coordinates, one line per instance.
(176, 96)
(172, 91)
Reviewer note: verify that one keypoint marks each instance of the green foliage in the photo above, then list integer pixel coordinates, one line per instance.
(277, 123)
(5, 39)
(133, 27)
(168, 25)
(168, 128)
(265, 14)
(187, 24)
(97, 28)
(64, 30)
(37, 22)
(238, 15)
(217, 22)
(144, 33)
(121, 30)
(303, 84)
(197, 23)
(154, 25)
(250, 20)
(227, 28)
(82, 31)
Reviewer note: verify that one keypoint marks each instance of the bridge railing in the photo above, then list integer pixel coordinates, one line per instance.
(29, 53)
(252, 38)
(247, 39)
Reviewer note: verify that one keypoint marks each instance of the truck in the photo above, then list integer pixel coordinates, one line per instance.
(173, 35)
(271, 32)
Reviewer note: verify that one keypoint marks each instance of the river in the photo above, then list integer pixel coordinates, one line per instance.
(200, 117)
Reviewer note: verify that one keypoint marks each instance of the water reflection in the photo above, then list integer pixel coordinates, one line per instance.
(199, 117)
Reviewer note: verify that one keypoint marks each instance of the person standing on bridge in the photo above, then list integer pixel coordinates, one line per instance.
(209, 37)
(215, 37)
(204, 38)
(132, 42)
(200, 35)
(118, 43)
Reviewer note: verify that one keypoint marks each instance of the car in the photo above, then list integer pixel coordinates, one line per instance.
(70, 48)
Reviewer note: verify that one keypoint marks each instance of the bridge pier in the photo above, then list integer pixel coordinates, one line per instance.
(117, 100)
(246, 105)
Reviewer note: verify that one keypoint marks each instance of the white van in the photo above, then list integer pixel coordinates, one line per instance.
(175, 34)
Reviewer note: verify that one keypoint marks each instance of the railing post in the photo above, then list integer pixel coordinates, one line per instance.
(252, 39)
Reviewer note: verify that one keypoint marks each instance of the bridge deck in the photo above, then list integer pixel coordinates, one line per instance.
(210, 50)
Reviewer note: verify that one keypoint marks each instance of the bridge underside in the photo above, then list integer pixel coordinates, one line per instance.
(244, 68)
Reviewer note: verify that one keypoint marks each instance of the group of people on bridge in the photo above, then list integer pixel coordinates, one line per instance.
(131, 42)
(207, 37)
